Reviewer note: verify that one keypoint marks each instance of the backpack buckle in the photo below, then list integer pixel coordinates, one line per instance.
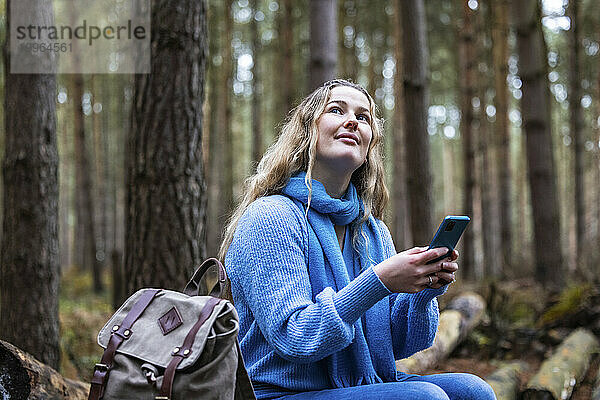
(101, 367)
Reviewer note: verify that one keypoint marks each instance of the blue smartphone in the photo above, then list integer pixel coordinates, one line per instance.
(448, 234)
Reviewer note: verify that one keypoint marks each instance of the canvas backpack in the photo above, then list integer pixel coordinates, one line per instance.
(166, 345)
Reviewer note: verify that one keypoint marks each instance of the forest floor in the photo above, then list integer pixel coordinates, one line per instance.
(522, 322)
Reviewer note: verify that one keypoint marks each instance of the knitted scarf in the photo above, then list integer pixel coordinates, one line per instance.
(369, 358)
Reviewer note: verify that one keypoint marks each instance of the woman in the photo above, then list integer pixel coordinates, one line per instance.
(325, 303)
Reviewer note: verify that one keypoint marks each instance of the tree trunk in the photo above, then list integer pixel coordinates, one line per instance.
(285, 28)
(501, 126)
(212, 143)
(101, 161)
(505, 380)
(462, 315)
(86, 210)
(323, 41)
(400, 206)
(226, 183)
(24, 377)
(566, 367)
(597, 271)
(347, 34)
(66, 203)
(487, 181)
(165, 237)
(221, 150)
(535, 107)
(29, 263)
(467, 69)
(576, 130)
(257, 90)
(415, 67)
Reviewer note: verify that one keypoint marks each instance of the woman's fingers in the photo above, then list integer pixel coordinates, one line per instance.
(454, 255)
(446, 277)
(429, 255)
(437, 280)
(450, 266)
(415, 250)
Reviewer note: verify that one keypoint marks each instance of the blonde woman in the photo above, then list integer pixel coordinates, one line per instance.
(325, 303)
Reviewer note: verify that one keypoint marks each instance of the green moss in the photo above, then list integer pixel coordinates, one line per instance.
(569, 301)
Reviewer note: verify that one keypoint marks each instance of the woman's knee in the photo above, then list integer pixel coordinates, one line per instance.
(475, 388)
(428, 391)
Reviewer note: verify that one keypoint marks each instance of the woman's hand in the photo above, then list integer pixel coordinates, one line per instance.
(408, 271)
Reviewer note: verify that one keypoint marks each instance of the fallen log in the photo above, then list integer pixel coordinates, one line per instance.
(559, 374)
(505, 380)
(462, 314)
(22, 377)
(596, 392)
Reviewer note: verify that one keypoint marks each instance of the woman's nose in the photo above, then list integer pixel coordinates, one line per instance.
(351, 124)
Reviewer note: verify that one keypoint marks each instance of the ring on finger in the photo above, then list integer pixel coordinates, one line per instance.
(430, 282)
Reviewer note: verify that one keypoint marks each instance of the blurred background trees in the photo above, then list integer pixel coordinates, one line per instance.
(491, 108)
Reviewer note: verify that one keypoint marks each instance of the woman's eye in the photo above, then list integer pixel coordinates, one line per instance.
(336, 110)
(363, 117)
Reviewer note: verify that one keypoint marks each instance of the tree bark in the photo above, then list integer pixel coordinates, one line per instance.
(29, 263)
(257, 90)
(166, 201)
(400, 206)
(226, 182)
(462, 315)
(24, 377)
(323, 42)
(415, 82)
(221, 150)
(576, 130)
(597, 271)
(86, 209)
(535, 107)
(100, 165)
(347, 64)
(487, 181)
(501, 127)
(564, 369)
(505, 380)
(467, 67)
(285, 29)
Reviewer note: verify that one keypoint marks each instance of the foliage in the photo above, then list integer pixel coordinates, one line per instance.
(82, 313)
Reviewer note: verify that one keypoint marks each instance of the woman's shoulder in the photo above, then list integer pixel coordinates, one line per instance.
(272, 209)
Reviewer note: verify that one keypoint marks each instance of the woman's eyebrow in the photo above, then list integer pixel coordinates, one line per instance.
(360, 108)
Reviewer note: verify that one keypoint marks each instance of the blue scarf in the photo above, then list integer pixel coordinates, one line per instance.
(369, 358)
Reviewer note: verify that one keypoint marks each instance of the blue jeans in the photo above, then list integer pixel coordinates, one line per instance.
(451, 386)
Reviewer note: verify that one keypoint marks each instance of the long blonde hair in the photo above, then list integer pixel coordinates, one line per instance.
(295, 151)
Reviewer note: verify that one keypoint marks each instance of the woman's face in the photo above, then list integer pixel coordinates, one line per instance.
(344, 131)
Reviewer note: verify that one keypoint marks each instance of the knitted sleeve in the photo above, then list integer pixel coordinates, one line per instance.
(414, 316)
(267, 266)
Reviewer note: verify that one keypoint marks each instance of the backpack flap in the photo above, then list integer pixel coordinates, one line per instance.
(164, 325)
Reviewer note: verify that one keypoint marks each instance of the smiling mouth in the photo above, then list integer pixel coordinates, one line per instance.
(349, 136)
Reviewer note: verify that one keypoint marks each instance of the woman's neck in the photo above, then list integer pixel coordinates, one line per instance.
(335, 184)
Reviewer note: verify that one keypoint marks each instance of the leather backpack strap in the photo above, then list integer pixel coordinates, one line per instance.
(193, 286)
(185, 350)
(119, 334)
(243, 385)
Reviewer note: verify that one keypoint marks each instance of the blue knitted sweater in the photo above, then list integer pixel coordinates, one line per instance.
(287, 333)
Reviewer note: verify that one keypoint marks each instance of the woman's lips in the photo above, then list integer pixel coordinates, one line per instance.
(347, 136)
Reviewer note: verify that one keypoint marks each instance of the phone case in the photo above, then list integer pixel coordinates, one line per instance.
(448, 234)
